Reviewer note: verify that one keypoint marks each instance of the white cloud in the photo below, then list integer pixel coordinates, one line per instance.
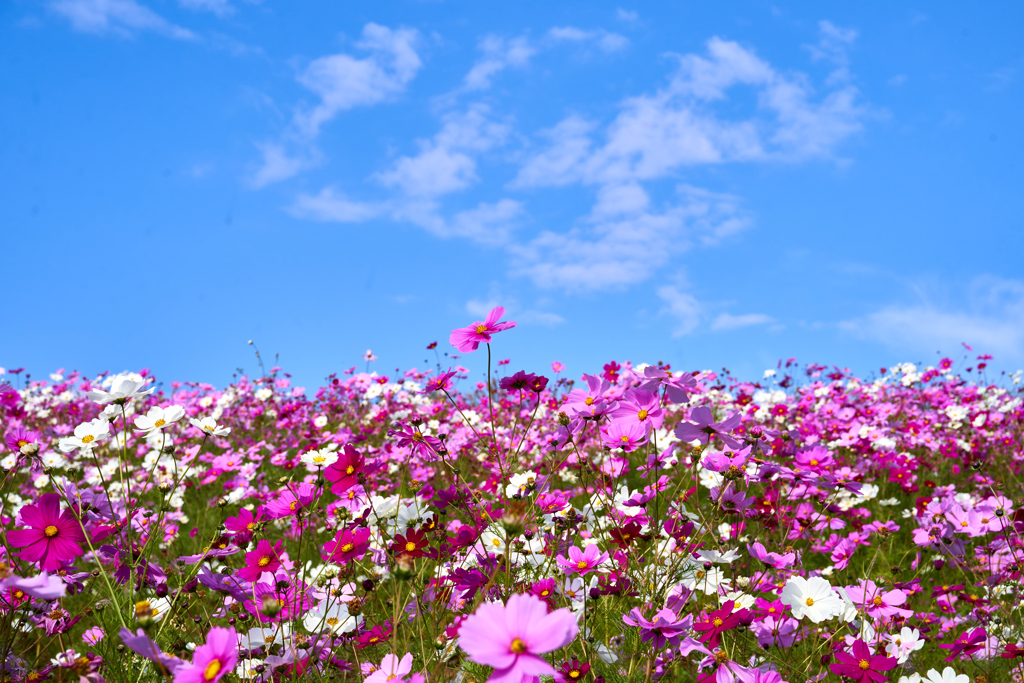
(725, 321)
(681, 306)
(833, 45)
(118, 17)
(628, 16)
(278, 165)
(624, 242)
(605, 40)
(992, 321)
(446, 164)
(331, 206)
(221, 8)
(344, 82)
(656, 134)
(498, 55)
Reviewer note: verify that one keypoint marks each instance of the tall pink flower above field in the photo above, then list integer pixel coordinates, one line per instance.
(467, 339)
(213, 660)
(52, 538)
(512, 637)
(582, 561)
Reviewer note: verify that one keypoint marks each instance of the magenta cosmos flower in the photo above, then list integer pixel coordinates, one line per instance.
(467, 339)
(861, 666)
(512, 637)
(265, 558)
(664, 630)
(347, 545)
(582, 561)
(212, 660)
(344, 472)
(52, 538)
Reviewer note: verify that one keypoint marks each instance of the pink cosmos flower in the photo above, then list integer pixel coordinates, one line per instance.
(52, 537)
(467, 339)
(290, 501)
(704, 428)
(590, 401)
(213, 660)
(582, 561)
(625, 435)
(347, 545)
(265, 558)
(861, 666)
(512, 637)
(965, 645)
(344, 472)
(877, 603)
(245, 522)
(390, 669)
(664, 630)
(640, 406)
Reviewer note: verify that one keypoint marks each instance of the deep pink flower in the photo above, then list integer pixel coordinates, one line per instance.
(347, 545)
(675, 387)
(966, 644)
(265, 558)
(511, 637)
(439, 383)
(344, 472)
(211, 661)
(582, 561)
(720, 621)
(245, 522)
(412, 438)
(589, 402)
(861, 666)
(23, 441)
(290, 502)
(52, 537)
(467, 339)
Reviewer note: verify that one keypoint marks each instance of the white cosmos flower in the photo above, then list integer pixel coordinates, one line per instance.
(902, 644)
(948, 675)
(334, 618)
(320, 458)
(86, 435)
(209, 426)
(320, 421)
(158, 418)
(714, 556)
(262, 636)
(812, 598)
(120, 392)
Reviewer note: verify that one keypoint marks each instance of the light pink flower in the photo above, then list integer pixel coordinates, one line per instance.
(511, 637)
(467, 339)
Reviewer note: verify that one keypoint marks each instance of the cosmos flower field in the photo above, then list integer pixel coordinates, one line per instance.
(640, 523)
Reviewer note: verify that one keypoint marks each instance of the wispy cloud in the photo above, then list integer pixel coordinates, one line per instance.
(606, 41)
(122, 18)
(725, 321)
(498, 54)
(624, 241)
(342, 82)
(221, 8)
(681, 306)
(991, 319)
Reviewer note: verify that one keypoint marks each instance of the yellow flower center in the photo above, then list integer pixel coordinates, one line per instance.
(250, 526)
(331, 621)
(810, 602)
(814, 462)
(292, 504)
(347, 548)
(581, 565)
(864, 664)
(18, 594)
(212, 669)
(624, 438)
(319, 458)
(518, 646)
(410, 546)
(88, 438)
(480, 329)
(877, 601)
(159, 423)
(20, 444)
(642, 414)
(545, 593)
(496, 542)
(50, 531)
(264, 561)
(350, 469)
(589, 401)
(574, 674)
(717, 622)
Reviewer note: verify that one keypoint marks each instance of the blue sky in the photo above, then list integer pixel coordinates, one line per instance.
(709, 185)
